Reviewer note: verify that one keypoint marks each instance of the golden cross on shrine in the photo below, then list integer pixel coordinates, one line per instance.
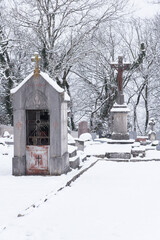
(36, 59)
(120, 67)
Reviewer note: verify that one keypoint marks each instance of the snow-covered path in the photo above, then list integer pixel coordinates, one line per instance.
(115, 201)
(19, 193)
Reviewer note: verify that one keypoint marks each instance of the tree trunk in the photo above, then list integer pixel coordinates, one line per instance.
(146, 107)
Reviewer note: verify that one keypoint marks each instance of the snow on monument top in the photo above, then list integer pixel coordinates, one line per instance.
(48, 79)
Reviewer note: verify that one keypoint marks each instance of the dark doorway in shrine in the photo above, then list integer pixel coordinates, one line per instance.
(38, 126)
(37, 141)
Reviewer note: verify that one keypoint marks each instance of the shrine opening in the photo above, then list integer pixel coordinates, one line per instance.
(40, 126)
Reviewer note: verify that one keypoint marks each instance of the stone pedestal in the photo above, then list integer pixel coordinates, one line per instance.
(119, 113)
(120, 98)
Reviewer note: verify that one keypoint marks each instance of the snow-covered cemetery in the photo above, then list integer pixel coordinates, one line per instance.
(79, 120)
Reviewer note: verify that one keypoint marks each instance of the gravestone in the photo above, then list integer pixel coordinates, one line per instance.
(83, 128)
(40, 126)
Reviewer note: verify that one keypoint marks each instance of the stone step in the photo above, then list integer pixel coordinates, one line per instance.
(118, 155)
(138, 152)
(72, 150)
(74, 162)
(79, 144)
(82, 156)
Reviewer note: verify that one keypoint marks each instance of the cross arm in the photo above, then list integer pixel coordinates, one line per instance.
(114, 65)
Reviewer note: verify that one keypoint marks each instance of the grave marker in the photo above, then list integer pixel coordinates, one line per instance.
(83, 128)
(120, 110)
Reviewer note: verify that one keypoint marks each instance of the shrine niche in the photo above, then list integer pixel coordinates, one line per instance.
(40, 126)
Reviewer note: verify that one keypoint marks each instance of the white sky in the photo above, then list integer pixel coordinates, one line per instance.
(145, 9)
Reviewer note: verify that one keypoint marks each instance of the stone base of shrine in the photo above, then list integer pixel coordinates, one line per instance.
(59, 165)
(19, 166)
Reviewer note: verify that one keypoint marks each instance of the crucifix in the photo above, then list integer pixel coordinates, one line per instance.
(38, 158)
(120, 67)
(36, 59)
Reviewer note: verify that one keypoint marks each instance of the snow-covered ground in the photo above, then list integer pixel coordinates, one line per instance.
(111, 200)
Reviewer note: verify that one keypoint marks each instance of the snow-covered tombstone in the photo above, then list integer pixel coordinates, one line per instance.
(40, 125)
(83, 128)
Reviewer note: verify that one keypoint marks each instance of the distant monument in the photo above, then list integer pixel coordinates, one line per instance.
(40, 126)
(152, 134)
(120, 110)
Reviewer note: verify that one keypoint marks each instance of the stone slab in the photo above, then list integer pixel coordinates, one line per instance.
(137, 151)
(118, 155)
(112, 141)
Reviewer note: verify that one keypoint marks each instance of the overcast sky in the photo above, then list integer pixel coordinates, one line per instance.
(145, 9)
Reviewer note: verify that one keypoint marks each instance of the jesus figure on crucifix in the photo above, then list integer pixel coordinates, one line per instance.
(120, 67)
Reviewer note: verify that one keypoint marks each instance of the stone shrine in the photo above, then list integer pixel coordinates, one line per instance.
(120, 110)
(40, 126)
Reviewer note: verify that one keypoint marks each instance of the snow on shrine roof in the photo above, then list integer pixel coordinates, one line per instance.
(52, 82)
(66, 97)
(48, 79)
(14, 90)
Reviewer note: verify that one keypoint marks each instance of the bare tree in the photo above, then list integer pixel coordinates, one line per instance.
(142, 75)
(94, 75)
(60, 30)
(6, 74)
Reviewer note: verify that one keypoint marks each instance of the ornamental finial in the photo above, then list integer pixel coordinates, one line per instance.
(36, 59)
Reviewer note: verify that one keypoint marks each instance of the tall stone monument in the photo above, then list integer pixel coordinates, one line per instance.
(40, 126)
(120, 109)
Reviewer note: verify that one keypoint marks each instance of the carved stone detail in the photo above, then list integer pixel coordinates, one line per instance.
(36, 101)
